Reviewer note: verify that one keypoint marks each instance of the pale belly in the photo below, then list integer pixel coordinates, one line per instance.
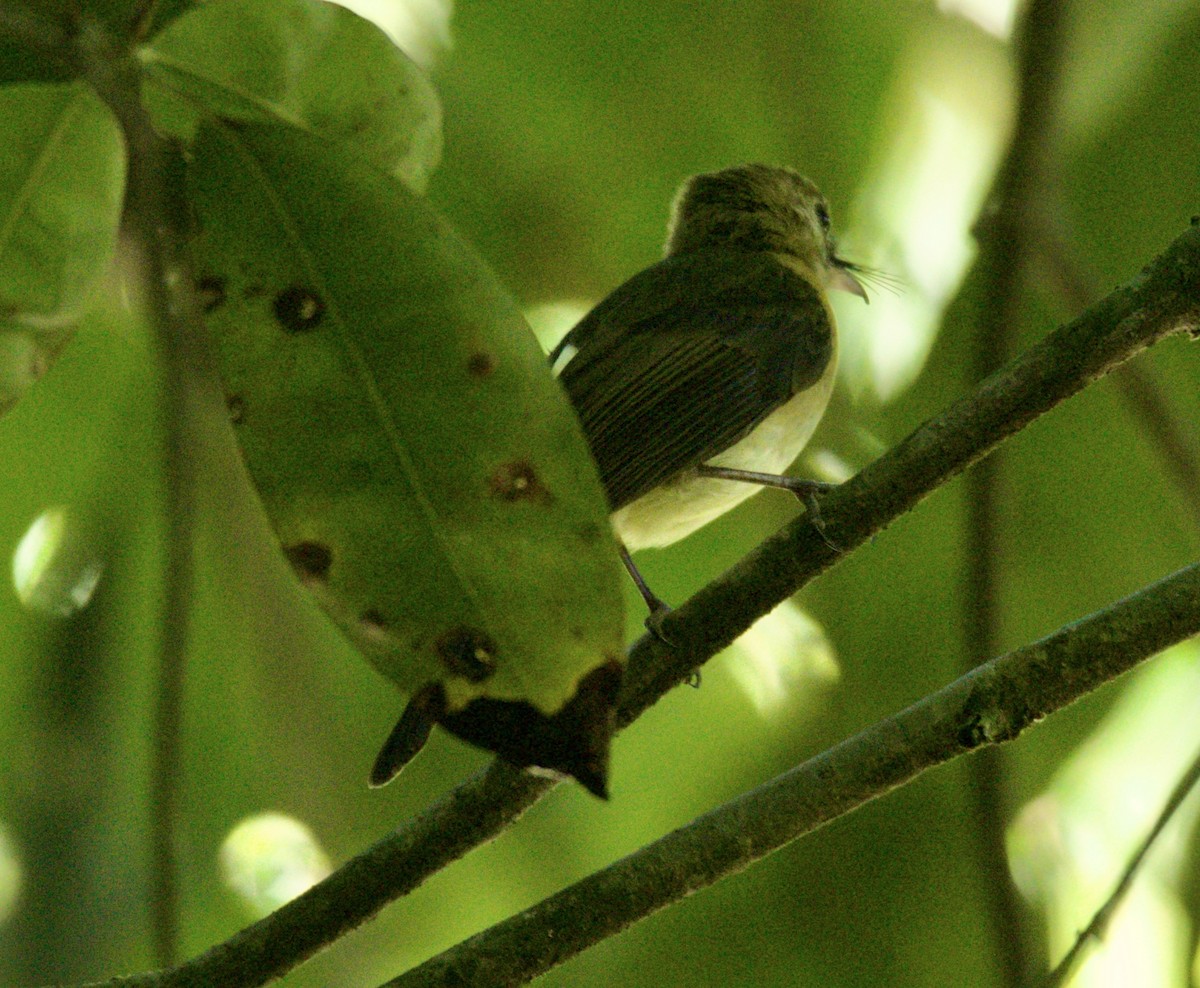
(676, 509)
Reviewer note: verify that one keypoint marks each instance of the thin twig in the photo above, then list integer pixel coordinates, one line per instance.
(151, 242)
(1096, 929)
(1162, 300)
(990, 705)
(153, 247)
(1005, 233)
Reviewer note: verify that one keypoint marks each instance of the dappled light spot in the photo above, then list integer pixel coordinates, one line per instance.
(996, 17)
(298, 309)
(780, 656)
(420, 27)
(271, 858)
(922, 191)
(551, 321)
(1068, 844)
(57, 564)
(10, 876)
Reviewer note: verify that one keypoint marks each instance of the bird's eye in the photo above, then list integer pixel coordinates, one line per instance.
(823, 215)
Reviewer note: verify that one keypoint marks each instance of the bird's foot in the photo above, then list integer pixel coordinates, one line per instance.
(654, 620)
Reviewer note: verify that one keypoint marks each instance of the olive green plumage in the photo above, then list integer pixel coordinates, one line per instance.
(721, 356)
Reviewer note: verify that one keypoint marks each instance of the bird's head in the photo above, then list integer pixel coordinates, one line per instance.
(760, 208)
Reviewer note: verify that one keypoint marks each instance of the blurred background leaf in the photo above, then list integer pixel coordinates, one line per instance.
(62, 179)
(568, 126)
(299, 62)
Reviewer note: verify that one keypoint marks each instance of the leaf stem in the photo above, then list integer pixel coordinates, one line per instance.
(152, 239)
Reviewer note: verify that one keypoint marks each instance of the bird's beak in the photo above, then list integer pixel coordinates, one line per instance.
(841, 276)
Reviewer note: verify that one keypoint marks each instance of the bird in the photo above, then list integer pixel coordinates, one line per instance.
(700, 380)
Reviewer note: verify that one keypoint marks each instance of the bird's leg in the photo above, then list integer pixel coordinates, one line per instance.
(806, 491)
(659, 608)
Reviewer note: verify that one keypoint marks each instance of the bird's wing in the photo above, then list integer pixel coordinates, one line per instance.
(685, 358)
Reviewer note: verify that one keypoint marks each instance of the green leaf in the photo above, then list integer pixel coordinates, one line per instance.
(61, 182)
(125, 17)
(424, 474)
(19, 64)
(24, 42)
(25, 355)
(310, 64)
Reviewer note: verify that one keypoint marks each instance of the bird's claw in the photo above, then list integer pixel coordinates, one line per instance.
(808, 493)
(654, 620)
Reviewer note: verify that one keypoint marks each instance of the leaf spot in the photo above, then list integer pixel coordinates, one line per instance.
(210, 290)
(236, 406)
(481, 364)
(311, 560)
(467, 652)
(373, 618)
(374, 627)
(590, 533)
(298, 309)
(518, 481)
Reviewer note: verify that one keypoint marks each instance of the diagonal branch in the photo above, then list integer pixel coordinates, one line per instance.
(991, 704)
(1164, 299)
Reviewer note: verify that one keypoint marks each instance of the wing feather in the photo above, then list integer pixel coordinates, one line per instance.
(684, 359)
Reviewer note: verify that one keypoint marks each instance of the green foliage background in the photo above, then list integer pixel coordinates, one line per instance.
(568, 125)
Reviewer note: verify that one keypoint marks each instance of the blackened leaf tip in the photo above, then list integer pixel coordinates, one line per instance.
(409, 735)
(574, 741)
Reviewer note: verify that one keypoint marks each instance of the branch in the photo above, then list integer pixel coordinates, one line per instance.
(990, 705)
(1164, 299)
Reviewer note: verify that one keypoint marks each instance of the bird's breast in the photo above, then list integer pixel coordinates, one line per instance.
(680, 506)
